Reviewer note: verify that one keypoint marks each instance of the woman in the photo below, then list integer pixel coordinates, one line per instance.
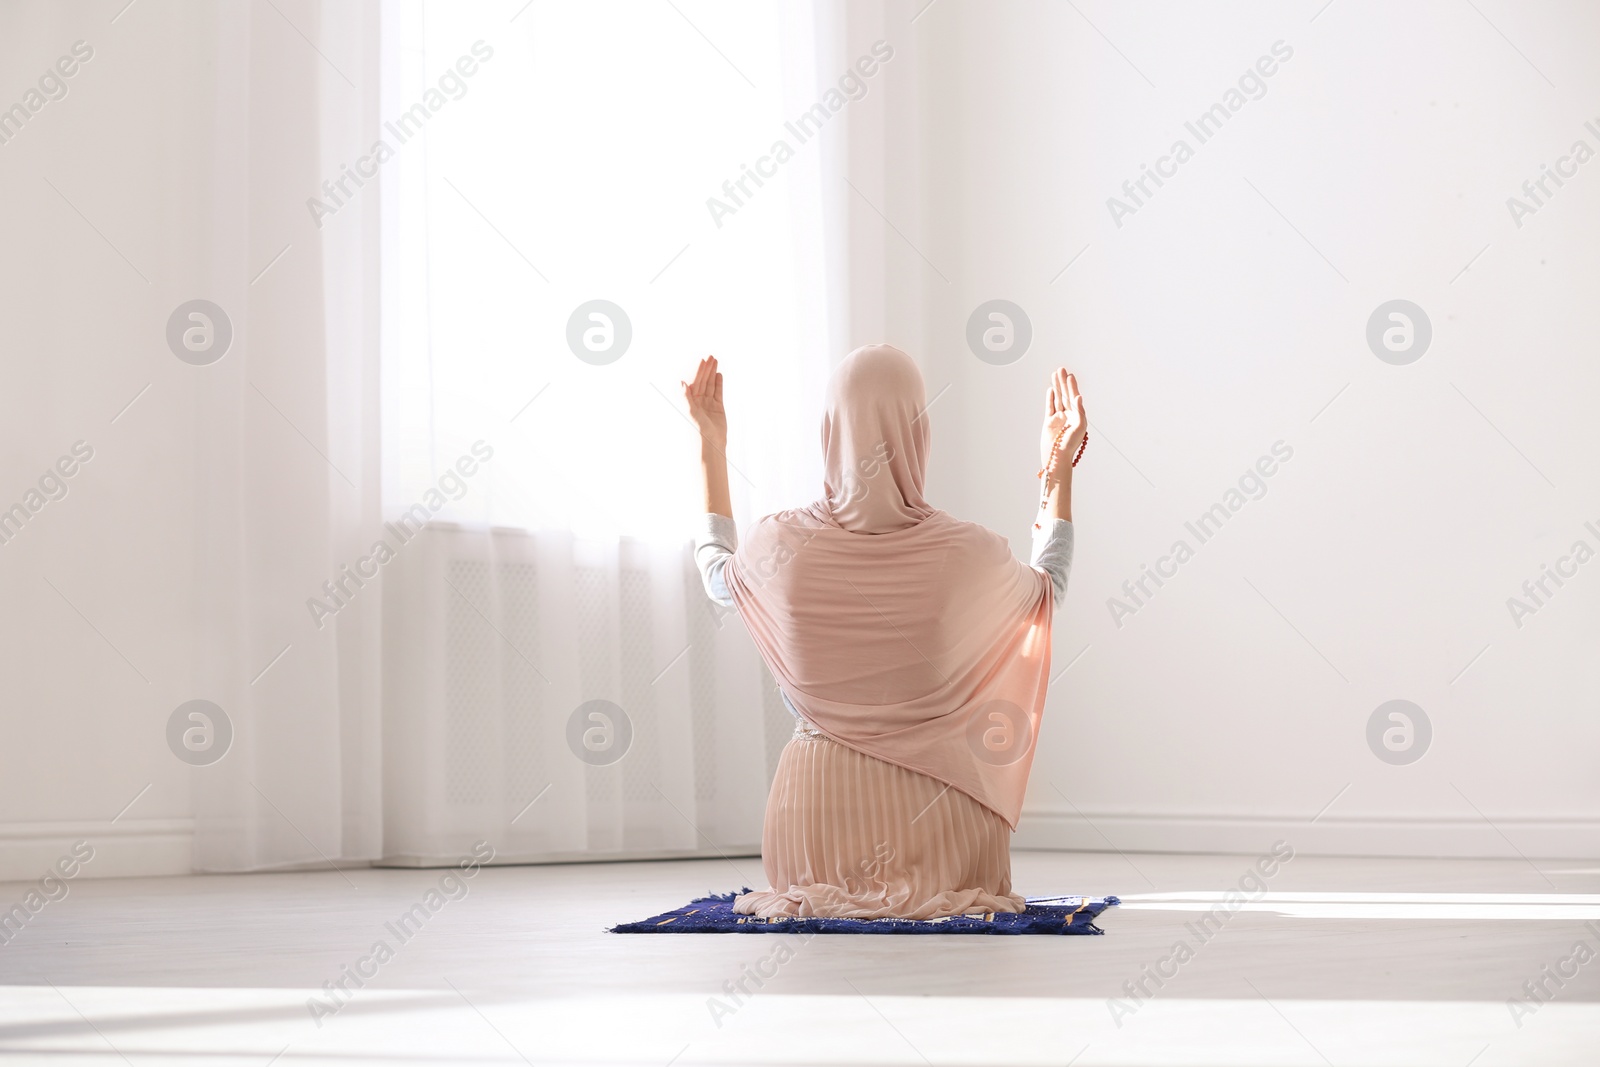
(912, 648)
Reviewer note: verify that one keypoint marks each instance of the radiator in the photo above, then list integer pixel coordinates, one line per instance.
(505, 653)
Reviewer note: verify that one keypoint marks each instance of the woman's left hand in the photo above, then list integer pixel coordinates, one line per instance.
(704, 396)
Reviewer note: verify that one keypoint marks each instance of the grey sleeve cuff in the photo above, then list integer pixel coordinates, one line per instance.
(715, 541)
(1052, 553)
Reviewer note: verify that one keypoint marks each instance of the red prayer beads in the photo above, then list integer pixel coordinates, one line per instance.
(1055, 456)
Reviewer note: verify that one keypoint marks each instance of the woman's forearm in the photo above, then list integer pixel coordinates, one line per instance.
(1058, 496)
(714, 477)
(710, 418)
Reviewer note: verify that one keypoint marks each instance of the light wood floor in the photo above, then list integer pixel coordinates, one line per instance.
(1347, 962)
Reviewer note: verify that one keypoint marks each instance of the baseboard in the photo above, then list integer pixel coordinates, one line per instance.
(531, 858)
(150, 847)
(1330, 835)
(122, 849)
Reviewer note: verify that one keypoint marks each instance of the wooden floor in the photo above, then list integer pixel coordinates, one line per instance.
(1346, 962)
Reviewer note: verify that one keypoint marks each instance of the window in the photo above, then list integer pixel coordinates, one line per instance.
(572, 164)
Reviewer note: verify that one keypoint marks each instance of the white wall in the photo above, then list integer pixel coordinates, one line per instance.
(94, 666)
(1224, 316)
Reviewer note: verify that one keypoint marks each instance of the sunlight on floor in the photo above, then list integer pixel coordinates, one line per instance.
(447, 1026)
(1566, 907)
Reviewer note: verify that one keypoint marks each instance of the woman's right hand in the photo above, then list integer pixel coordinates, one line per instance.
(704, 396)
(1063, 410)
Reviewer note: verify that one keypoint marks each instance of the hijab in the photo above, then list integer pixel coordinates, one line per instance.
(892, 626)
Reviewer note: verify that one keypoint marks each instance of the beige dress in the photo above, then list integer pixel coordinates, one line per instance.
(850, 835)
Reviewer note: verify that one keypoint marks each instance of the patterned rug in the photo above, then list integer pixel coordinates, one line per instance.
(715, 915)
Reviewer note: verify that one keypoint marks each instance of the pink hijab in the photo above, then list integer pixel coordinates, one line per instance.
(894, 627)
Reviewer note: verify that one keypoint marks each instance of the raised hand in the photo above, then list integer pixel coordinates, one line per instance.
(1063, 410)
(704, 397)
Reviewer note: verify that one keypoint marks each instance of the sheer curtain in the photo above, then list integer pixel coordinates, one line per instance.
(233, 470)
(554, 680)
(285, 438)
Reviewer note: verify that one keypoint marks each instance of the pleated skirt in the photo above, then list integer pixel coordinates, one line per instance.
(849, 835)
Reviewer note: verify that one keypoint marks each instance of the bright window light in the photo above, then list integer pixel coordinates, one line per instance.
(575, 165)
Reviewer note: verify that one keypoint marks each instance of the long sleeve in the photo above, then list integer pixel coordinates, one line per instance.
(714, 544)
(1052, 553)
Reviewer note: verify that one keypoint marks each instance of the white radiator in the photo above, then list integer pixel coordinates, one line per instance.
(493, 639)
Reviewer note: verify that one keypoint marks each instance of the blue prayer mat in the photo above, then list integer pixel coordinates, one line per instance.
(715, 915)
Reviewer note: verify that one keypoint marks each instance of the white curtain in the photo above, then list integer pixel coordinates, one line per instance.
(214, 354)
(399, 534)
(555, 680)
(459, 547)
(286, 441)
